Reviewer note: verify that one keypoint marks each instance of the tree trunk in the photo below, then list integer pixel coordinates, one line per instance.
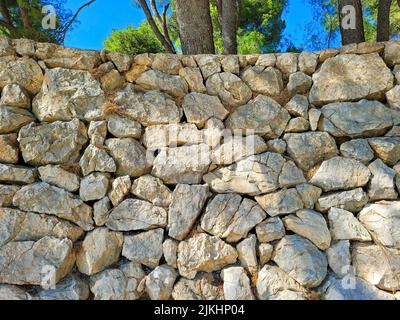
(195, 26)
(5, 12)
(229, 25)
(351, 22)
(383, 28)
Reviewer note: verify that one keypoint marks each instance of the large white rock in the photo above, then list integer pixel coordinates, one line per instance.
(382, 186)
(353, 200)
(281, 202)
(157, 80)
(96, 159)
(339, 258)
(345, 226)
(263, 80)
(13, 118)
(153, 190)
(17, 174)
(236, 284)
(159, 282)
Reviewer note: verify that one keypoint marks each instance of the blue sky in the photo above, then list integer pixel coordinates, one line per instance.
(97, 21)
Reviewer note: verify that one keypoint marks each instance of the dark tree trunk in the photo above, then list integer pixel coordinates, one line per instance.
(195, 26)
(5, 12)
(25, 17)
(229, 23)
(356, 34)
(383, 28)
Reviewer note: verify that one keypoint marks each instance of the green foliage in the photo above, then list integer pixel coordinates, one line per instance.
(133, 40)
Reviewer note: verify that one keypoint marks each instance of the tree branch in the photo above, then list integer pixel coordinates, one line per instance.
(155, 12)
(165, 24)
(69, 24)
(154, 27)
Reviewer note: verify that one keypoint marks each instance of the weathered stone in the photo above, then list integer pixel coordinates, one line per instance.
(230, 64)
(7, 193)
(134, 73)
(9, 152)
(267, 81)
(235, 148)
(187, 204)
(100, 249)
(229, 88)
(133, 214)
(377, 265)
(13, 293)
(392, 55)
(277, 146)
(345, 226)
(247, 253)
(357, 119)
(152, 189)
(351, 77)
(27, 226)
(265, 251)
(94, 186)
(203, 287)
(123, 127)
(68, 94)
(71, 288)
(382, 185)
(130, 156)
(309, 194)
(96, 159)
(281, 202)
(230, 217)
(111, 81)
(13, 118)
(308, 62)
(313, 117)
(387, 148)
(170, 250)
(298, 106)
(100, 211)
(23, 262)
(297, 125)
(382, 219)
(120, 187)
(157, 80)
(150, 108)
(184, 165)
(339, 258)
(144, 59)
(17, 174)
(299, 83)
(326, 54)
(22, 71)
(254, 175)
(357, 149)
(6, 48)
(24, 47)
(145, 248)
(208, 65)
(159, 282)
(59, 177)
(353, 200)
(287, 63)
(396, 72)
(263, 116)
(203, 253)
(193, 78)
(393, 97)
(275, 284)
(266, 60)
(310, 148)
(200, 107)
(341, 174)
(271, 229)
(13, 95)
(310, 225)
(44, 198)
(301, 260)
(97, 132)
(53, 143)
(290, 175)
(236, 284)
(168, 63)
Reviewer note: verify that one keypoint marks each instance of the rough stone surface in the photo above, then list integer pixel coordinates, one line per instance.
(94, 186)
(345, 226)
(382, 185)
(9, 152)
(339, 258)
(387, 149)
(247, 253)
(152, 189)
(353, 200)
(17, 174)
(271, 229)
(236, 284)
(15, 96)
(157, 80)
(13, 118)
(262, 80)
(159, 282)
(59, 177)
(96, 159)
(281, 202)
(357, 149)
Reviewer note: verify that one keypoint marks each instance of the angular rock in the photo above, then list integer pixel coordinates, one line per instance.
(287, 63)
(236, 284)
(193, 78)
(153, 190)
(308, 149)
(393, 97)
(266, 60)
(53, 143)
(263, 116)
(341, 174)
(339, 258)
(187, 204)
(100, 249)
(345, 226)
(123, 127)
(203, 287)
(96, 159)
(392, 55)
(71, 288)
(15, 96)
(159, 282)
(308, 62)
(97, 132)
(17, 174)
(168, 63)
(277, 146)
(28, 262)
(387, 148)
(111, 81)
(297, 125)
(351, 77)
(310, 225)
(271, 229)
(313, 116)
(7, 193)
(94, 186)
(208, 65)
(353, 200)
(203, 253)
(382, 185)
(13, 118)
(185, 165)
(68, 94)
(9, 151)
(290, 175)
(301, 260)
(247, 253)
(157, 80)
(170, 250)
(230, 64)
(281, 202)
(265, 251)
(100, 211)
(200, 107)
(121, 186)
(298, 106)
(267, 81)
(299, 83)
(121, 61)
(133, 214)
(130, 156)
(59, 177)
(309, 194)
(145, 248)
(357, 149)
(13, 293)
(44, 198)
(382, 219)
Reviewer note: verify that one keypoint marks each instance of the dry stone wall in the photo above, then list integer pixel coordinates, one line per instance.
(160, 176)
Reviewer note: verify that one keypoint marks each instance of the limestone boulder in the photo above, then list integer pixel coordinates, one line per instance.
(387, 149)
(194, 79)
(153, 190)
(267, 81)
(357, 149)
(236, 284)
(17, 174)
(96, 159)
(160, 282)
(158, 80)
(202, 287)
(59, 177)
(382, 186)
(270, 229)
(345, 226)
(14, 95)
(9, 151)
(13, 118)
(352, 200)
(281, 202)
